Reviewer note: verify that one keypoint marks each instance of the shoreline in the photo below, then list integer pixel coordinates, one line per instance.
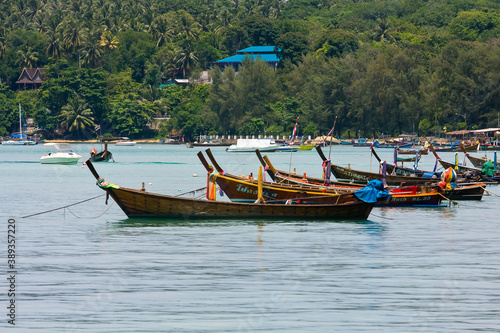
(98, 141)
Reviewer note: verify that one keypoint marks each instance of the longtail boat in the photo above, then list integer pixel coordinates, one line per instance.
(477, 161)
(404, 171)
(103, 156)
(457, 166)
(338, 186)
(244, 190)
(407, 159)
(140, 203)
(363, 177)
(466, 190)
(472, 147)
(423, 151)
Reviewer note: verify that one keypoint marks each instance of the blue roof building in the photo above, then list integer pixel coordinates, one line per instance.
(266, 53)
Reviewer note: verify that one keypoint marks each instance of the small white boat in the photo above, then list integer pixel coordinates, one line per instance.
(125, 142)
(19, 142)
(251, 145)
(288, 148)
(60, 153)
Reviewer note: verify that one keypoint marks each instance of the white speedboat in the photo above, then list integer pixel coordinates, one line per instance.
(60, 153)
(125, 142)
(251, 145)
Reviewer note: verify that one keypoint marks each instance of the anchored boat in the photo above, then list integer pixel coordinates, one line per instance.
(60, 153)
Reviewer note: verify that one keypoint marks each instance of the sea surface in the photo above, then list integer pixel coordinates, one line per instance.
(88, 268)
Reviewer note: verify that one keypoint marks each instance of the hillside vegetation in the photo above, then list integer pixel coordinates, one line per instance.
(380, 66)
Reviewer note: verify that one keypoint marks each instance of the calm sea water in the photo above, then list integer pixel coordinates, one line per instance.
(90, 269)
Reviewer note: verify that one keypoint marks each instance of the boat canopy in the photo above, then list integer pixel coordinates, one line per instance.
(253, 143)
(61, 147)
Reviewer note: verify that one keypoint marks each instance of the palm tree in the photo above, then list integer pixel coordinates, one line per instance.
(28, 58)
(54, 22)
(54, 46)
(382, 31)
(187, 25)
(161, 31)
(3, 43)
(186, 59)
(76, 116)
(33, 8)
(73, 37)
(92, 53)
(54, 49)
(109, 42)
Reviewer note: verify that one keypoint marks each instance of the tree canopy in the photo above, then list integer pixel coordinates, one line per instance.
(378, 66)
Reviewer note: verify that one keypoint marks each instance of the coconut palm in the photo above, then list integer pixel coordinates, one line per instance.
(54, 46)
(73, 37)
(27, 58)
(33, 8)
(3, 43)
(92, 53)
(186, 59)
(77, 117)
(161, 30)
(383, 31)
(109, 42)
(187, 25)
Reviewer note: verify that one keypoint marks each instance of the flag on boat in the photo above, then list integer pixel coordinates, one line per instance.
(331, 131)
(294, 133)
(98, 127)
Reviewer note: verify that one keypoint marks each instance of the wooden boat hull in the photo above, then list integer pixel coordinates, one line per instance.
(103, 156)
(467, 148)
(136, 203)
(362, 177)
(406, 159)
(394, 145)
(477, 161)
(240, 190)
(466, 192)
(398, 199)
(288, 148)
(307, 147)
(413, 152)
(489, 148)
(139, 203)
(458, 168)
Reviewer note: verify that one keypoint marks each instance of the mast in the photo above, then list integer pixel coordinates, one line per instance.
(20, 124)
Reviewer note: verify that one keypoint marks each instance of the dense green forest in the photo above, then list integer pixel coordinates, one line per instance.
(392, 67)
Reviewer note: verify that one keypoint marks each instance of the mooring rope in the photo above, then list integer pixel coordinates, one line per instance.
(489, 192)
(204, 188)
(90, 217)
(451, 201)
(382, 217)
(63, 207)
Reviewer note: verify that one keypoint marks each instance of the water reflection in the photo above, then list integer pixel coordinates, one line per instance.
(159, 222)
